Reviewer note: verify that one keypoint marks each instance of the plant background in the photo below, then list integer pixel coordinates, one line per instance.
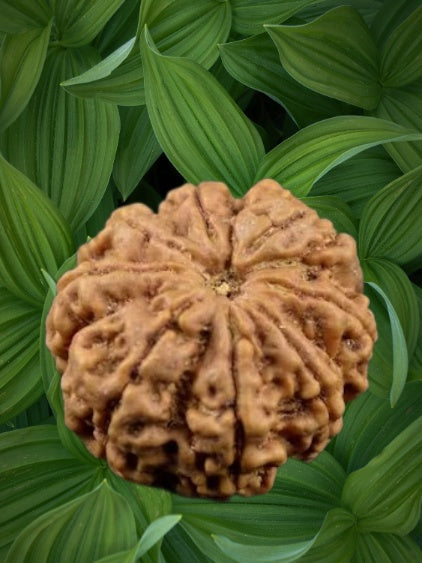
(105, 103)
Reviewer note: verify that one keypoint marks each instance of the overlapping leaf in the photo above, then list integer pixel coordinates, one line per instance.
(356, 180)
(120, 28)
(78, 22)
(179, 28)
(386, 547)
(385, 495)
(255, 62)
(335, 55)
(22, 15)
(33, 236)
(334, 209)
(137, 151)
(415, 366)
(298, 162)
(22, 58)
(64, 144)
(200, 128)
(392, 14)
(87, 528)
(390, 224)
(368, 9)
(20, 377)
(36, 475)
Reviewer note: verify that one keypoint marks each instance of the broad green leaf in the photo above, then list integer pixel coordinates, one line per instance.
(334, 209)
(396, 284)
(385, 495)
(64, 144)
(250, 15)
(21, 15)
(404, 106)
(78, 22)
(302, 159)
(401, 59)
(368, 9)
(356, 180)
(335, 55)
(120, 28)
(399, 349)
(200, 128)
(37, 413)
(178, 546)
(20, 377)
(391, 14)
(36, 475)
(178, 27)
(415, 365)
(390, 224)
(255, 62)
(22, 57)
(370, 424)
(247, 553)
(293, 511)
(386, 547)
(33, 235)
(85, 529)
(137, 151)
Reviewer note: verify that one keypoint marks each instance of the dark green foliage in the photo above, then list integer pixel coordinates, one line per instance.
(322, 95)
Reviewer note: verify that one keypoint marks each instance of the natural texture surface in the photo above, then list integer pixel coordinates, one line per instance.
(202, 345)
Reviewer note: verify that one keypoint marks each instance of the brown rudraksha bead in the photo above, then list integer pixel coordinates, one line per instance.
(203, 345)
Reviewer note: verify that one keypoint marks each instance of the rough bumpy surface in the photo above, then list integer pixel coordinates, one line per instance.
(203, 345)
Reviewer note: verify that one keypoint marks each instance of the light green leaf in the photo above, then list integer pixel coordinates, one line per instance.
(390, 224)
(64, 144)
(335, 55)
(391, 14)
(22, 58)
(85, 529)
(21, 15)
(36, 475)
(255, 62)
(334, 209)
(178, 27)
(399, 345)
(200, 128)
(33, 235)
(386, 547)
(370, 425)
(137, 151)
(356, 180)
(298, 162)
(385, 495)
(250, 15)
(78, 22)
(404, 106)
(20, 377)
(401, 58)
(415, 365)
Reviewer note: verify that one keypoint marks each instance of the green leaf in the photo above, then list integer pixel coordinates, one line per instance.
(22, 15)
(22, 58)
(368, 9)
(250, 15)
(85, 529)
(33, 235)
(200, 128)
(401, 58)
(137, 151)
(385, 495)
(334, 209)
(404, 106)
(356, 180)
(391, 14)
(335, 55)
(78, 22)
(179, 28)
(386, 547)
(20, 377)
(370, 425)
(415, 366)
(298, 162)
(389, 227)
(120, 28)
(399, 290)
(36, 475)
(255, 62)
(64, 144)
(178, 546)
(37, 413)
